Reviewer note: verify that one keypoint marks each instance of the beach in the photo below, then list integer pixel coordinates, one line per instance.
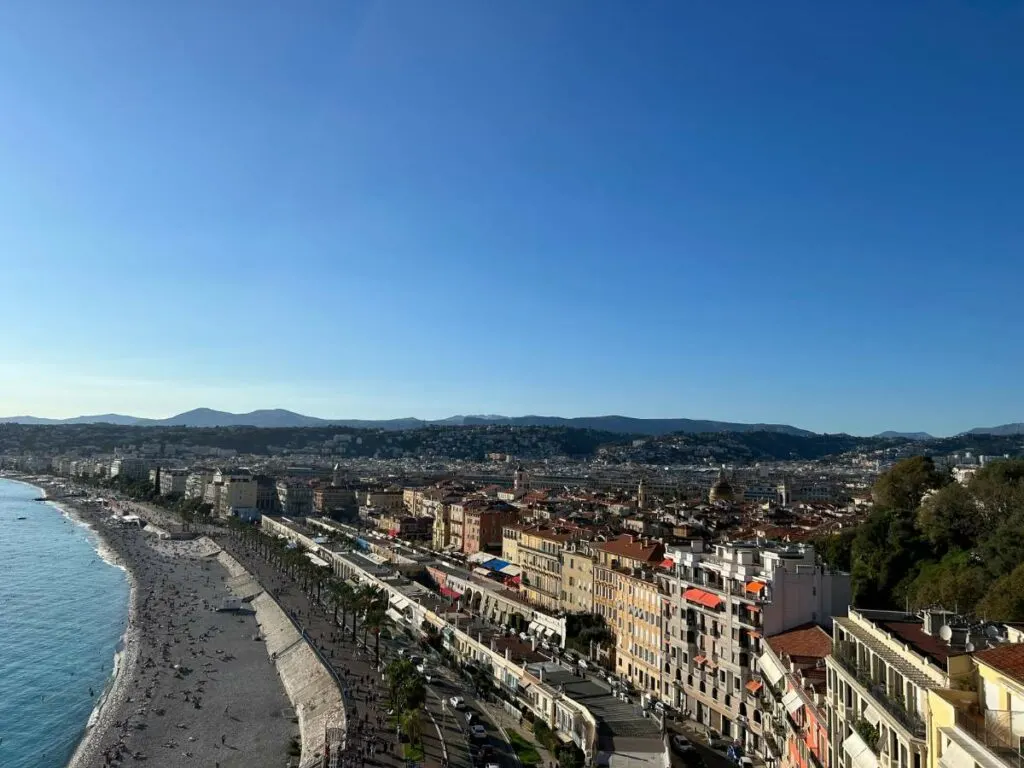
(194, 685)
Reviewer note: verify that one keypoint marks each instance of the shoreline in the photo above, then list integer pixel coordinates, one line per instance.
(126, 653)
(191, 684)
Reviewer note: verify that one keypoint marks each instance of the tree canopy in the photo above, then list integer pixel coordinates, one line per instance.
(930, 541)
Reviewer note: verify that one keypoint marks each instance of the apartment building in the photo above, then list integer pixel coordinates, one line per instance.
(129, 468)
(441, 529)
(196, 482)
(390, 499)
(231, 491)
(482, 526)
(793, 689)
(882, 669)
(539, 550)
(724, 599)
(266, 495)
(980, 724)
(577, 593)
(510, 535)
(629, 595)
(294, 497)
(332, 499)
(172, 482)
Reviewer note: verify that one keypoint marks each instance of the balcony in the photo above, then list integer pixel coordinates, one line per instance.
(878, 693)
(998, 730)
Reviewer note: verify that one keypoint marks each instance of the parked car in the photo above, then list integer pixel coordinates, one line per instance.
(458, 702)
(715, 740)
(681, 744)
(477, 732)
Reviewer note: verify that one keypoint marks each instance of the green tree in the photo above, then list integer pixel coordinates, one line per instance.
(836, 549)
(887, 554)
(1005, 599)
(406, 689)
(570, 756)
(950, 518)
(903, 486)
(957, 581)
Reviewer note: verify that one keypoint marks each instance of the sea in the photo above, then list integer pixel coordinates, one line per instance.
(63, 612)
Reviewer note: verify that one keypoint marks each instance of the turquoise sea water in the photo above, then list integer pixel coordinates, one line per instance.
(63, 610)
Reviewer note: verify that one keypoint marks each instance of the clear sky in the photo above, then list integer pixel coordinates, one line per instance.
(801, 212)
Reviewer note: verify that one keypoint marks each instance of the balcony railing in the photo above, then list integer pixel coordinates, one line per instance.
(998, 729)
(909, 720)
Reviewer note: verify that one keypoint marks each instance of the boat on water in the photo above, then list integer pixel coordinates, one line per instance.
(21, 518)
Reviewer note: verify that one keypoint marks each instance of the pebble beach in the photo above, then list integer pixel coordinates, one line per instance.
(195, 686)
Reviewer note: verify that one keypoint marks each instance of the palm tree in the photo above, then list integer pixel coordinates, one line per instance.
(337, 597)
(373, 618)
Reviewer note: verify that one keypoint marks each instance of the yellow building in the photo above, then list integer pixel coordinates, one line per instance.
(980, 724)
(577, 578)
(629, 597)
(510, 543)
(540, 557)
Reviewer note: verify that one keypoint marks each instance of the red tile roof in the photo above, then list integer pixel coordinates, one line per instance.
(1008, 659)
(808, 641)
(634, 548)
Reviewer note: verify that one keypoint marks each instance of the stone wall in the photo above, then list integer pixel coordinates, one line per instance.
(310, 687)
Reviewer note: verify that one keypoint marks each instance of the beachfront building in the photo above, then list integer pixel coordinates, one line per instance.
(129, 468)
(172, 481)
(331, 500)
(723, 600)
(196, 483)
(295, 497)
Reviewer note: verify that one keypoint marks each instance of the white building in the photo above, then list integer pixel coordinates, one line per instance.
(130, 468)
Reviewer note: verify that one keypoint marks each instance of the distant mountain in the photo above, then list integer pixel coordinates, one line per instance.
(906, 435)
(206, 417)
(1001, 431)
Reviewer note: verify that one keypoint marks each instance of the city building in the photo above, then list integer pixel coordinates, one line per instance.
(129, 468)
(883, 667)
(539, 550)
(482, 526)
(723, 600)
(294, 497)
(577, 591)
(172, 481)
(196, 482)
(793, 689)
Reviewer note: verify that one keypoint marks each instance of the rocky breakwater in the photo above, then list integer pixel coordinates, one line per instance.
(311, 688)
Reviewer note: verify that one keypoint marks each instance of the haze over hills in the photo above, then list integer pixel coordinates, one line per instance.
(279, 417)
(906, 435)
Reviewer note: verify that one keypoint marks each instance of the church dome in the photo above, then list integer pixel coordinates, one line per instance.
(721, 490)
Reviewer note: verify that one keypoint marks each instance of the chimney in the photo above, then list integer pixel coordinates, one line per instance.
(540, 674)
(533, 642)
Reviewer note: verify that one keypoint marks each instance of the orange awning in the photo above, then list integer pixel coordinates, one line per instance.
(756, 587)
(754, 634)
(699, 659)
(754, 686)
(706, 599)
(753, 609)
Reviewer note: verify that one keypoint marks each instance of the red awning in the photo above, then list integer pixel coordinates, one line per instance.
(699, 659)
(449, 592)
(754, 686)
(706, 599)
(756, 587)
(668, 563)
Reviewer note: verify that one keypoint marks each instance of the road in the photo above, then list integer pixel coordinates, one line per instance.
(356, 666)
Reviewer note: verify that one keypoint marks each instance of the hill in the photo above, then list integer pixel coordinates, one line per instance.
(1002, 430)
(906, 435)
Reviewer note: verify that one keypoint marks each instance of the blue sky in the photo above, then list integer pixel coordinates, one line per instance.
(796, 212)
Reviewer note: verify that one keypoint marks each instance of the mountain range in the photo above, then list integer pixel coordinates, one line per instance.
(207, 417)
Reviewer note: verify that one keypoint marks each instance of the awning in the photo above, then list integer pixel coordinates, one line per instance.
(479, 557)
(771, 669)
(860, 754)
(496, 564)
(756, 587)
(481, 571)
(394, 615)
(319, 561)
(548, 632)
(872, 715)
(399, 603)
(792, 702)
(449, 592)
(668, 563)
(512, 570)
(533, 628)
(753, 609)
(706, 599)
(754, 686)
(699, 659)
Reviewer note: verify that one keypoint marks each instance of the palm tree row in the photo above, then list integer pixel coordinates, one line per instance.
(358, 602)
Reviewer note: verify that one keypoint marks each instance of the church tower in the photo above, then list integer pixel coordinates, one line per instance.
(641, 495)
(520, 481)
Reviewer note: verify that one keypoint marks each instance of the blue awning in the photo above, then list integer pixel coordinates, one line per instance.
(496, 564)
